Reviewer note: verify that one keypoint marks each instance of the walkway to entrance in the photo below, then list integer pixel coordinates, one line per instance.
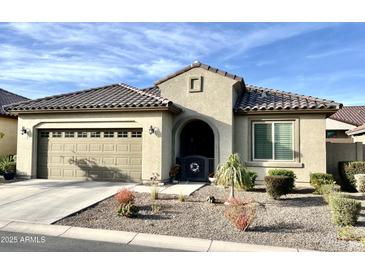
(184, 188)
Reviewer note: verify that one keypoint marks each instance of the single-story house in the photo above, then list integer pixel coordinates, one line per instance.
(195, 117)
(343, 121)
(358, 133)
(8, 123)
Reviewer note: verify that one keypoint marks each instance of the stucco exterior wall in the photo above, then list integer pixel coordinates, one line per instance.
(8, 126)
(359, 138)
(309, 143)
(213, 105)
(154, 148)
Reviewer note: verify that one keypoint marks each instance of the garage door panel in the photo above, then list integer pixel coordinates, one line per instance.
(136, 161)
(81, 147)
(108, 147)
(68, 173)
(122, 161)
(95, 147)
(56, 159)
(108, 161)
(56, 147)
(55, 172)
(101, 157)
(123, 148)
(136, 148)
(69, 147)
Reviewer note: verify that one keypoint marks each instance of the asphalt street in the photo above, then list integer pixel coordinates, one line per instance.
(20, 242)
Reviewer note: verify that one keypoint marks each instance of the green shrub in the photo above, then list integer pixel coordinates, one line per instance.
(278, 185)
(360, 182)
(317, 180)
(327, 190)
(344, 211)
(347, 172)
(284, 172)
(7, 164)
(253, 176)
(349, 233)
(128, 210)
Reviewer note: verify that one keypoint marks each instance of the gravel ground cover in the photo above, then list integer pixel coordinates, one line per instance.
(299, 220)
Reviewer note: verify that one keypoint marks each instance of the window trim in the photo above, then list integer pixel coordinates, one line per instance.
(273, 140)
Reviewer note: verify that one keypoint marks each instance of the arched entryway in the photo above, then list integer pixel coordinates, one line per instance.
(196, 151)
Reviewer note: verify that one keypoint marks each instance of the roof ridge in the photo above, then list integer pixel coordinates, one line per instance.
(289, 93)
(62, 95)
(197, 64)
(142, 92)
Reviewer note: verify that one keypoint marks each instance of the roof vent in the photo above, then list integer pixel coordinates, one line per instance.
(195, 63)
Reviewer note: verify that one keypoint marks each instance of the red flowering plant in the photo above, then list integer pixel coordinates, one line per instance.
(126, 207)
(124, 196)
(241, 213)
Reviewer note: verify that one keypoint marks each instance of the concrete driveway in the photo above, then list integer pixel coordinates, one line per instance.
(47, 201)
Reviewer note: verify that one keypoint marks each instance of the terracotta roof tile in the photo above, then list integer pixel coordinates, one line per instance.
(356, 130)
(6, 98)
(354, 115)
(117, 96)
(265, 99)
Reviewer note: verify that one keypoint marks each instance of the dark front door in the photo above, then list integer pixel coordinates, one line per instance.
(196, 151)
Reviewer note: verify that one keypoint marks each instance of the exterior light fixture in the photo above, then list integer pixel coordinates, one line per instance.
(23, 131)
(151, 130)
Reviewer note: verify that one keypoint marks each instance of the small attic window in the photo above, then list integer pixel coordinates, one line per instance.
(195, 84)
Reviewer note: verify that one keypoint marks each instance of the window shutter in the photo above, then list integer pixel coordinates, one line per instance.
(263, 141)
(283, 141)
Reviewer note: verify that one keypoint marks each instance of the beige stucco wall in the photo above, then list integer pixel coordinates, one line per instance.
(310, 144)
(154, 150)
(8, 126)
(213, 105)
(359, 138)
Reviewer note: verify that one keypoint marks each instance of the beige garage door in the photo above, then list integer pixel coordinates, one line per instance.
(92, 154)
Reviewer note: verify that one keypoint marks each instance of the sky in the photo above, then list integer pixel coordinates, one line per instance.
(325, 60)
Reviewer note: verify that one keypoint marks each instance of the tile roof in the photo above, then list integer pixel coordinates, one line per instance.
(6, 98)
(259, 99)
(116, 96)
(354, 115)
(356, 130)
(197, 64)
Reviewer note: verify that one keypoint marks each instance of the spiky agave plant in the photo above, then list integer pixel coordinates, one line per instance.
(233, 174)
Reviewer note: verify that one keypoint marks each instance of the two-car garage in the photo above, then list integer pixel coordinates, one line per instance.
(94, 154)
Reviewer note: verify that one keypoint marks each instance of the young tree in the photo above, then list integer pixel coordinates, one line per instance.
(232, 173)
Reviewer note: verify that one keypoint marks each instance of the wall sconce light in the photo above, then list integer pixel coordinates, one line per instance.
(152, 130)
(23, 131)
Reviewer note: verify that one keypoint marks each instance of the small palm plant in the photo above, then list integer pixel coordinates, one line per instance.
(232, 173)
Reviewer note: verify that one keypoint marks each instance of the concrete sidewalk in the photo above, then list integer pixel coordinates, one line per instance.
(137, 239)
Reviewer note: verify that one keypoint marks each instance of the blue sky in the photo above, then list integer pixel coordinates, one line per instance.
(320, 59)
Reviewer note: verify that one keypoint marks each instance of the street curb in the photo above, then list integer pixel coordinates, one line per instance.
(138, 239)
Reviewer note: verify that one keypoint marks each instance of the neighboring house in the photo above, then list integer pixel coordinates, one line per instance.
(342, 121)
(8, 123)
(358, 133)
(196, 117)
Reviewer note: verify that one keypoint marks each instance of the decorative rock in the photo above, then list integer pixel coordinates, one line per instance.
(211, 199)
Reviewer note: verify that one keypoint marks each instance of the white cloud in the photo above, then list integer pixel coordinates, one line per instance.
(91, 53)
(160, 68)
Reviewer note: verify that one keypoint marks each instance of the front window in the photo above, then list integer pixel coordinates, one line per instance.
(273, 141)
